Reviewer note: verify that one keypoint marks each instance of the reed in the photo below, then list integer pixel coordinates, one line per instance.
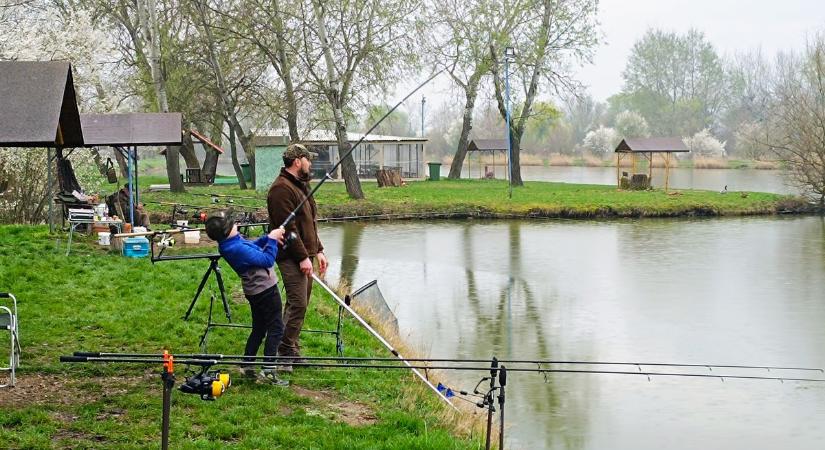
(704, 162)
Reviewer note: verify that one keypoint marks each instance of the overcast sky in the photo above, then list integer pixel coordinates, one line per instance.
(730, 25)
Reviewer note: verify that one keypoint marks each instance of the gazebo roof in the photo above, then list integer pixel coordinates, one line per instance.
(486, 145)
(652, 145)
(38, 106)
(131, 129)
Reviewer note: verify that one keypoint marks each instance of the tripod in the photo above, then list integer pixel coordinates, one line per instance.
(213, 267)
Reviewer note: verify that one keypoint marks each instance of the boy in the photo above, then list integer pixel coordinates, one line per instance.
(253, 261)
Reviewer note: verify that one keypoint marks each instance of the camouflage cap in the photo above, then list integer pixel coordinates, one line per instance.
(297, 151)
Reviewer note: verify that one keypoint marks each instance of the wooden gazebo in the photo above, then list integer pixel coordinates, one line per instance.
(482, 146)
(646, 148)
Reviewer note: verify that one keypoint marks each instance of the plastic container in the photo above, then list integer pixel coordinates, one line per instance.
(182, 223)
(435, 170)
(191, 237)
(139, 230)
(104, 238)
(136, 247)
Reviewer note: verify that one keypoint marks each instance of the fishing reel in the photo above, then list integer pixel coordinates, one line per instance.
(208, 384)
(290, 238)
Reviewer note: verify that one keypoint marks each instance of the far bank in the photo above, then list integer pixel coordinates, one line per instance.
(489, 198)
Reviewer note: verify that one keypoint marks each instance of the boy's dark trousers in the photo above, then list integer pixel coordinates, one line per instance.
(266, 322)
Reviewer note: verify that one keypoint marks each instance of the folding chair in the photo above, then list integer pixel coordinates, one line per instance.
(8, 322)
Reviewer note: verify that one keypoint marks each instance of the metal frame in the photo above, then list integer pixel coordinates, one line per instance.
(12, 328)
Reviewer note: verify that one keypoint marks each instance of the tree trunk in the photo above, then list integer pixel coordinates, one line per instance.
(151, 30)
(335, 98)
(233, 151)
(187, 150)
(286, 77)
(471, 92)
(228, 103)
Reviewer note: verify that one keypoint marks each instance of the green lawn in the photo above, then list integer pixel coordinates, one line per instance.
(490, 197)
(99, 301)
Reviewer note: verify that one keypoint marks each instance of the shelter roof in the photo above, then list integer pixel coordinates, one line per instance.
(486, 145)
(38, 106)
(205, 141)
(132, 129)
(655, 145)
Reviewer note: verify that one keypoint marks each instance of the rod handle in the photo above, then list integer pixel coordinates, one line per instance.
(73, 359)
(4, 295)
(87, 354)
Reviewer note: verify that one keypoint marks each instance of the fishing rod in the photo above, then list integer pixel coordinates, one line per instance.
(328, 174)
(222, 357)
(470, 368)
(226, 196)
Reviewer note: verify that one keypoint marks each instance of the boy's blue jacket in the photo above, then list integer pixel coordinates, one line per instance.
(252, 260)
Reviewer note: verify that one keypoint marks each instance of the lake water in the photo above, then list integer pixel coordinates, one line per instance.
(708, 179)
(715, 291)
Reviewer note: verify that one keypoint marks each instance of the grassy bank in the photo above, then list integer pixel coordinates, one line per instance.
(97, 301)
(488, 198)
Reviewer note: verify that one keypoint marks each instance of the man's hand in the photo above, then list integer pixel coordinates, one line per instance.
(322, 263)
(306, 267)
(277, 234)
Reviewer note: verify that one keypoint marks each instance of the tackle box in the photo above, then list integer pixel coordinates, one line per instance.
(136, 247)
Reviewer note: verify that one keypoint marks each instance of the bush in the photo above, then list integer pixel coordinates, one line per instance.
(705, 144)
(601, 140)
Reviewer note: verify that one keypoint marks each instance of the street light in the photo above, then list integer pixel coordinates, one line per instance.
(423, 100)
(509, 54)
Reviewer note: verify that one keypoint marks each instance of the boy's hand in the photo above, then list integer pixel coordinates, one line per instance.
(278, 235)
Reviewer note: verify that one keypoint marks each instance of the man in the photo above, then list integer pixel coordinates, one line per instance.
(118, 204)
(295, 262)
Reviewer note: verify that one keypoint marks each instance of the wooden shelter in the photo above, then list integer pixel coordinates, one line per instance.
(646, 148)
(483, 146)
(38, 106)
(125, 133)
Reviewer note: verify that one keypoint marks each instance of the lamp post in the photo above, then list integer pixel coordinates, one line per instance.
(509, 53)
(423, 101)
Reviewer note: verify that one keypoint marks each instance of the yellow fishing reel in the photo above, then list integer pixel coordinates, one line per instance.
(208, 384)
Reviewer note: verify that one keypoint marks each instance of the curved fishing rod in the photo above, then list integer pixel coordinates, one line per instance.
(328, 175)
(286, 359)
(215, 362)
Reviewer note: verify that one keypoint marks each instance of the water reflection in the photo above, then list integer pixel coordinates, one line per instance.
(742, 290)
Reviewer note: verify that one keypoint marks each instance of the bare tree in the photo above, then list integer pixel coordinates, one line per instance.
(799, 116)
(462, 33)
(360, 43)
(544, 44)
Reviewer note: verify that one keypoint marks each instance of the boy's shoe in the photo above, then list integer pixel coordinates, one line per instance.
(284, 368)
(269, 374)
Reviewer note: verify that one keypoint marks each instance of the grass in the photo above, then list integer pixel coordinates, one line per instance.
(489, 198)
(94, 300)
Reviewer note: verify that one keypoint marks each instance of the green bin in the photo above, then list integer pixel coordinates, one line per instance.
(246, 171)
(435, 171)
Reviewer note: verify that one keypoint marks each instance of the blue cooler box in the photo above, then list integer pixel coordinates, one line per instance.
(136, 247)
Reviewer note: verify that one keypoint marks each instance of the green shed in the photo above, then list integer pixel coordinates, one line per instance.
(269, 152)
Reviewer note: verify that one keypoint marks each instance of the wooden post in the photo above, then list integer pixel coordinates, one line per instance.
(650, 169)
(667, 169)
(618, 170)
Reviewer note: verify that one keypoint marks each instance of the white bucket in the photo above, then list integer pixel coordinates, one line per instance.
(191, 237)
(182, 223)
(104, 238)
